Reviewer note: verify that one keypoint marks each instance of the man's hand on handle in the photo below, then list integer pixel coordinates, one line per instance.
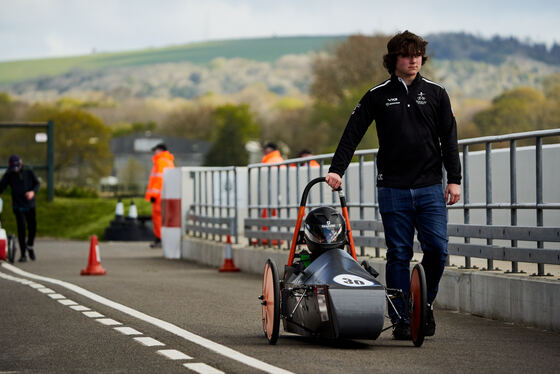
(452, 193)
(333, 180)
(29, 195)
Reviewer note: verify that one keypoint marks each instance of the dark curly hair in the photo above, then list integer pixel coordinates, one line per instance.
(404, 44)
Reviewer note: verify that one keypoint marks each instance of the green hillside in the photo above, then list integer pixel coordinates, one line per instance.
(264, 49)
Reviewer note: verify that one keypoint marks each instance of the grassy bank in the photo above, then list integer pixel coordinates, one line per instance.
(71, 218)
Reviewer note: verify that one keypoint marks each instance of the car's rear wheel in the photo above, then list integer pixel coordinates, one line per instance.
(271, 302)
(418, 304)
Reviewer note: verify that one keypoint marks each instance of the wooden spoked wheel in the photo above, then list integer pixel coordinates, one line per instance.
(271, 302)
(418, 304)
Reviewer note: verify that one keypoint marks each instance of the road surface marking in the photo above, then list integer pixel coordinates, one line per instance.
(108, 322)
(45, 290)
(36, 285)
(56, 296)
(79, 308)
(164, 325)
(128, 331)
(93, 314)
(174, 354)
(150, 342)
(203, 368)
(67, 302)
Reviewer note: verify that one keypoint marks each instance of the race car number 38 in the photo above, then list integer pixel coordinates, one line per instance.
(350, 280)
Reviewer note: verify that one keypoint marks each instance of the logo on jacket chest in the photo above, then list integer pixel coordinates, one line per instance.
(421, 99)
(392, 101)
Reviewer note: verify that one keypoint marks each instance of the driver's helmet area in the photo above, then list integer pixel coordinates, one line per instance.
(324, 229)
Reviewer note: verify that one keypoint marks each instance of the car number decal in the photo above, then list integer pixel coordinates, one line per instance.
(350, 280)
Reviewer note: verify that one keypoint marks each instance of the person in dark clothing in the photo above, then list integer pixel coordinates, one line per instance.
(417, 135)
(24, 185)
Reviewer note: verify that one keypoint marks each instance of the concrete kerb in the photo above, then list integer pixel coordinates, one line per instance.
(519, 299)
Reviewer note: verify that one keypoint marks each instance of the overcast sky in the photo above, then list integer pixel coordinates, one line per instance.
(48, 28)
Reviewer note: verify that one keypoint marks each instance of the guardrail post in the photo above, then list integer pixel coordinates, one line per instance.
(50, 161)
(538, 160)
(235, 206)
(361, 192)
(466, 198)
(269, 200)
(376, 201)
(490, 262)
(513, 195)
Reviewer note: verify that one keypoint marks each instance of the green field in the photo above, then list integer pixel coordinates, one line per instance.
(264, 49)
(71, 218)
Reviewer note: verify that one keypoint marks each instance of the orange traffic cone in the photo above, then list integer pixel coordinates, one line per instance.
(228, 261)
(94, 263)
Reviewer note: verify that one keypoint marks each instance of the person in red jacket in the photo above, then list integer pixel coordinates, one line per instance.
(271, 154)
(162, 160)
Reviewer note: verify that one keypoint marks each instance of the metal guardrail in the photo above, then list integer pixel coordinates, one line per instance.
(288, 175)
(214, 212)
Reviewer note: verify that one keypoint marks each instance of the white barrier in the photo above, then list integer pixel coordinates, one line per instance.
(171, 213)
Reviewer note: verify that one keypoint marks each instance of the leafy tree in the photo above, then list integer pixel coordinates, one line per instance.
(518, 110)
(81, 144)
(6, 108)
(193, 122)
(522, 109)
(234, 126)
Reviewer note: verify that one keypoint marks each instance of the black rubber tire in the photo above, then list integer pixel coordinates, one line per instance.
(418, 307)
(11, 248)
(271, 302)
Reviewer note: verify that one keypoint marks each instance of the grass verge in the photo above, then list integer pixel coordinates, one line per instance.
(71, 218)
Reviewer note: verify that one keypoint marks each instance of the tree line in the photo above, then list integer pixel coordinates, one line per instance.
(339, 80)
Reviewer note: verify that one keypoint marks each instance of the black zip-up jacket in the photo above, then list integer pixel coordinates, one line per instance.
(416, 129)
(20, 182)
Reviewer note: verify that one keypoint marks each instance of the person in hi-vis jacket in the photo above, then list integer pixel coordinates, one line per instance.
(162, 160)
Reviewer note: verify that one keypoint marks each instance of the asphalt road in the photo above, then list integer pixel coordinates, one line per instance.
(214, 319)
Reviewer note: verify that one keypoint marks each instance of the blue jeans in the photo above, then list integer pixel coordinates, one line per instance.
(402, 211)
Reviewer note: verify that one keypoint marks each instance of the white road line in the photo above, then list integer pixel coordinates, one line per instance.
(45, 290)
(67, 302)
(128, 331)
(150, 342)
(169, 327)
(174, 354)
(79, 308)
(56, 296)
(203, 368)
(108, 322)
(36, 285)
(93, 314)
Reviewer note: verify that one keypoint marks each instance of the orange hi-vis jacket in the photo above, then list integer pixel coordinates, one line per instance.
(272, 158)
(161, 161)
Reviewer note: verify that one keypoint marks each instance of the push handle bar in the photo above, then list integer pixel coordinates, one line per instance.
(313, 182)
(301, 213)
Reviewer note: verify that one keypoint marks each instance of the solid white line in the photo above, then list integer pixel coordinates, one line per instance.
(56, 296)
(93, 314)
(45, 290)
(169, 327)
(174, 354)
(79, 308)
(203, 368)
(128, 331)
(150, 342)
(108, 322)
(67, 302)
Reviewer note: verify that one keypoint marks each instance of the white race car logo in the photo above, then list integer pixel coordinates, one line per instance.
(350, 280)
